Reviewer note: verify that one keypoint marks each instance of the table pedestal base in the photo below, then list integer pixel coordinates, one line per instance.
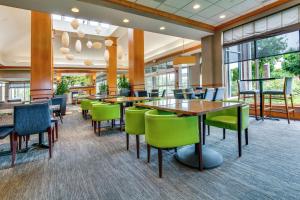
(188, 157)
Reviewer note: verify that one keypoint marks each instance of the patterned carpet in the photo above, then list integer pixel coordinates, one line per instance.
(85, 166)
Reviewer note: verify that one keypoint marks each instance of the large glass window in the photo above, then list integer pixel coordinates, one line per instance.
(184, 77)
(2, 91)
(19, 91)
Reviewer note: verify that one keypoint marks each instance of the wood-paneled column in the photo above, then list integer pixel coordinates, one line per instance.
(41, 84)
(136, 59)
(112, 67)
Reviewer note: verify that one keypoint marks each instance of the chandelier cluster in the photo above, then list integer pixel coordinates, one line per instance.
(65, 43)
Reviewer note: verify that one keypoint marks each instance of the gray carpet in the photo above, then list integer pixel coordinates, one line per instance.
(85, 166)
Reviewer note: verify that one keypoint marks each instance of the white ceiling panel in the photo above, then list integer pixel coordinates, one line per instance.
(211, 11)
(177, 3)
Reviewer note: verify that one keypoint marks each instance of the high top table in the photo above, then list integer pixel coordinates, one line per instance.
(261, 90)
(188, 155)
(122, 100)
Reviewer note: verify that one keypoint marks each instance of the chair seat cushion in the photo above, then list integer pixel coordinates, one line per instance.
(223, 121)
(249, 92)
(5, 131)
(274, 92)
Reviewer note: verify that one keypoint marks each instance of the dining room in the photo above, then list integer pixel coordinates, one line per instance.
(150, 99)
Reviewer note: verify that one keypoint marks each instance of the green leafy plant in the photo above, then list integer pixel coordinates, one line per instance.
(123, 82)
(103, 88)
(62, 87)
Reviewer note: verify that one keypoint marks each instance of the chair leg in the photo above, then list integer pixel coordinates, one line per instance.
(287, 109)
(292, 103)
(52, 135)
(20, 142)
(148, 152)
(26, 142)
(95, 126)
(137, 146)
(208, 130)
(11, 141)
(14, 149)
(255, 105)
(160, 162)
(92, 122)
(175, 149)
(270, 105)
(56, 130)
(49, 142)
(99, 128)
(127, 141)
(224, 133)
(60, 116)
(112, 123)
(246, 136)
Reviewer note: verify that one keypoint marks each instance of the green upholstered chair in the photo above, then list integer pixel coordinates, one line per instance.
(227, 119)
(164, 130)
(104, 112)
(135, 125)
(84, 104)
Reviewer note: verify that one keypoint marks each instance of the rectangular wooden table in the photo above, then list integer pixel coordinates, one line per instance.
(186, 155)
(101, 97)
(122, 100)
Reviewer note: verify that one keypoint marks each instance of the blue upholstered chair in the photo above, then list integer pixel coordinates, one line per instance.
(190, 94)
(58, 101)
(154, 93)
(219, 94)
(31, 119)
(141, 93)
(63, 107)
(5, 131)
(209, 94)
(178, 94)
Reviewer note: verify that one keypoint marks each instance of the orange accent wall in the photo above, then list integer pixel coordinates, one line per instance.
(112, 67)
(136, 59)
(41, 56)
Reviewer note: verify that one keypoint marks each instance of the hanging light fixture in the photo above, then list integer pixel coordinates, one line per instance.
(120, 52)
(89, 44)
(106, 55)
(64, 50)
(78, 46)
(65, 39)
(183, 60)
(97, 45)
(88, 62)
(108, 43)
(75, 24)
(69, 56)
(80, 34)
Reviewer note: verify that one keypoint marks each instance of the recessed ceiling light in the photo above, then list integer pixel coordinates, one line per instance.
(196, 6)
(222, 16)
(162, 28)
(126, 20)
(75, 10)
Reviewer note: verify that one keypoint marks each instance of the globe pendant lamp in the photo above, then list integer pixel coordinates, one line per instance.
(69, 56)
(75, 24)
(78, 46)
(64, 50)
(108, 43)
(65, 40)
(89, 44)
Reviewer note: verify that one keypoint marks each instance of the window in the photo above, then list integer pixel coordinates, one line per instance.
(19, 91)
(184, 77)
(2, 91)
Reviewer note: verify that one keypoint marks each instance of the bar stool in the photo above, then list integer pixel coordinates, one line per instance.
(284, 94)
(248, 94)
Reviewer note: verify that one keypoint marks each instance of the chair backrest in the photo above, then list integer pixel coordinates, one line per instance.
(163, 93)
(124, 92)
(241, 86)
(63, 107)
(209, 94)
(154, 93)
(141, 93)
(219, 94)
(190, 91)
(178, 94)
(32, 118)
(154, 90)
(288, 83)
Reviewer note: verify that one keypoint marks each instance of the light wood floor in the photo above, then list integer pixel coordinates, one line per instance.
(85, 166)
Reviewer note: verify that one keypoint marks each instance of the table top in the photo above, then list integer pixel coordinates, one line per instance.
(100, 97)
(188, 107)
(259, 79)
(126, 99)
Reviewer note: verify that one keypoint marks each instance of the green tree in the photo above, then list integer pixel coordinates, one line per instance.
(292, 63)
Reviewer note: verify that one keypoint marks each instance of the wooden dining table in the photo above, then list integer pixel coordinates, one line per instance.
(122, 100)
(188, 155)
(101, 97)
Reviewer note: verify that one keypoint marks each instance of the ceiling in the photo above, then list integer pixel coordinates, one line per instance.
(15, 41)
(209, 11)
